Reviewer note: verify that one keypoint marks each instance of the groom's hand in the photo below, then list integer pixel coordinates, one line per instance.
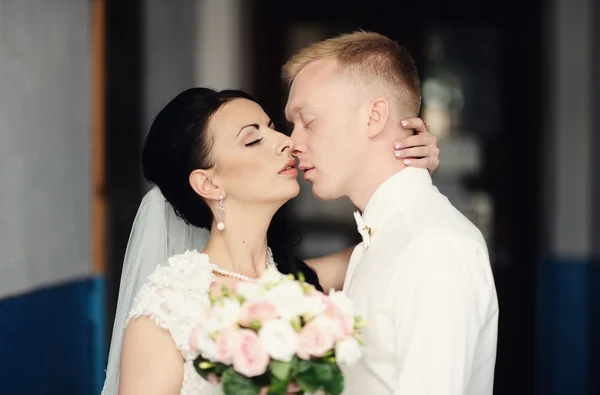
(419, 150)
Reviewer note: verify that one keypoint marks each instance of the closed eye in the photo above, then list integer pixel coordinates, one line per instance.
(250, 144)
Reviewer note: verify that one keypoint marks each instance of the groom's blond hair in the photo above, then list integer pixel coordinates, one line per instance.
(365, 56)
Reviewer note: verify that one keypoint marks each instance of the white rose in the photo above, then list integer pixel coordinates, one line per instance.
(230, 313)
(270, 276)
(250, 291)
(347, 351)
(342, 302)
(288, 298)
(279, 340)
(206, 345)
(313, 306)
(211, 324)
(223, 316)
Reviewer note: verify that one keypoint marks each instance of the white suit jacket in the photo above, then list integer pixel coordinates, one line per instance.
(425, 286)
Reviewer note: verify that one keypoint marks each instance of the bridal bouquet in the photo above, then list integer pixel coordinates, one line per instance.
(277, 331)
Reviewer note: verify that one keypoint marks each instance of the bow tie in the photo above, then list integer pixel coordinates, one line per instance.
(364, 231)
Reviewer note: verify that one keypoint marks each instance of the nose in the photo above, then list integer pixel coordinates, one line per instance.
(299, 146)
(286, 146)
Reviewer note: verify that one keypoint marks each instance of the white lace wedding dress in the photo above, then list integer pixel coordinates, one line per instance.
(173, 298)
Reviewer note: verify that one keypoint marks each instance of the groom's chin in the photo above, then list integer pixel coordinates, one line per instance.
(320, 195)
(316, 193)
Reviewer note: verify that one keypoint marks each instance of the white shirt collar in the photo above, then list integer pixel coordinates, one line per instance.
(397, 193)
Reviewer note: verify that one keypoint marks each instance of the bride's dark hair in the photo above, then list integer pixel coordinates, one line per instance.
(178, 143)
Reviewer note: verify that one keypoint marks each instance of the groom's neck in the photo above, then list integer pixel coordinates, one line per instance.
(380, 169)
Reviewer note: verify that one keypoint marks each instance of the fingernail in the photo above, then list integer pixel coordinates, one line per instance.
(398, 145)
(404, 123)
(408, 162)
(399, 153)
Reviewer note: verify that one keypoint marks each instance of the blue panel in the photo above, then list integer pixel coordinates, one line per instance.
(595, 325)
(565, 322)
(51, 340)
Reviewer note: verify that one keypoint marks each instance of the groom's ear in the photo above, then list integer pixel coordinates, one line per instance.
(203, 183)
(379, 111)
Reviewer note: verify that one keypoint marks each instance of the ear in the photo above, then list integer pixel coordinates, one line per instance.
(202, 181)
(379, 112)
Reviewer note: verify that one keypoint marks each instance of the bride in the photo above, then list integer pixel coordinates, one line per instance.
(218, 164)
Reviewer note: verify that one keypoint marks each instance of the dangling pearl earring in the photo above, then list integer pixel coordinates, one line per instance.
(220, 224)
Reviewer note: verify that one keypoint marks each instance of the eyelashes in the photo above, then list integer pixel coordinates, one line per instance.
(254, 142)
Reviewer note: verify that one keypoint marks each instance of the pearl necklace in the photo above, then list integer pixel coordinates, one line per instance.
(270, 263)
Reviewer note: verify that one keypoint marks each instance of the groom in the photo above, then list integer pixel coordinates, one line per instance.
(421, 277)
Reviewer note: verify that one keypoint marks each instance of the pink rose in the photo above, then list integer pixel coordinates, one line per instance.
(344, 323)
(258, 310)
(227, 343)
(250, 358)
(330, 308)
(316, 338)
(345, 326)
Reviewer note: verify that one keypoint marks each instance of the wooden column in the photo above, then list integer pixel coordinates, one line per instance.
(98, 139)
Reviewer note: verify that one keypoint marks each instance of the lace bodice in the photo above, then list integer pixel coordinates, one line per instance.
(174, 297)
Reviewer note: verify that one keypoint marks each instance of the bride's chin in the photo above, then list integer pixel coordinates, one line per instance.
(290, 194)
(295, 192)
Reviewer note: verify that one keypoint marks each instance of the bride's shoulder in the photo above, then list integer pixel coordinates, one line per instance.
(175, 294)
(190, 266)
(173, 288)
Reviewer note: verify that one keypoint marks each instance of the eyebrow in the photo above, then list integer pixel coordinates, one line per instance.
(289, 113)
(255, 125)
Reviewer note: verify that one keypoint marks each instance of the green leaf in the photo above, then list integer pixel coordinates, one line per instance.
(303, 365)
(295, 366)
(307, 383)
(323, 371)
(264, 380)
(280, 370)
(278, 387)
(236, 384)
(335, 386)
(307, 378)
(219, 369)
(316, 374)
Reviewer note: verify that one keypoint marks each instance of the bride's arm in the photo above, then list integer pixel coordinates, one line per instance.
(420, 150)
(150, 361)
(331, 269)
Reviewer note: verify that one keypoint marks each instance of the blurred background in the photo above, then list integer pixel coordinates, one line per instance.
(508, 87)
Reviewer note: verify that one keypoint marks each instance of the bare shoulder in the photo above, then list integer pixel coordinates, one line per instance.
(150, 360)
